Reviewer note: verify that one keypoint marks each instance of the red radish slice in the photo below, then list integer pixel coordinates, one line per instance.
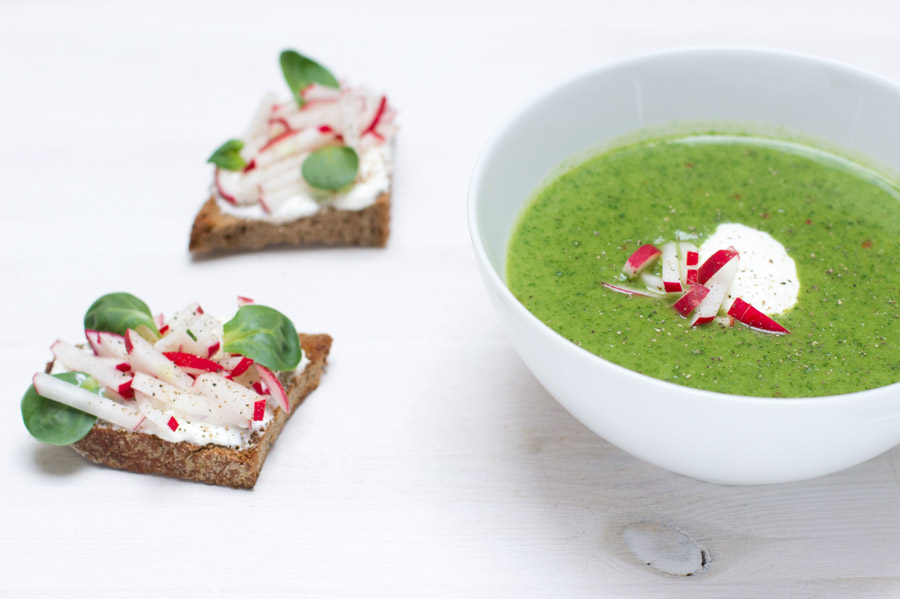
(630, 291)
(753, 318)
(81, 399)
(223, 193)
(81, 361)
(718, 286)
(274, 387)
(159, 319)
(228, 394)
(642, 257)
(147, 359)
(214, 349)
(688, 262)
(259, 410)
(653, 282)
(194, 405)
(186, 360)
(670, 273)
(107, 345)
(259, 388)
(244, 301)
(159, 420)
(163, 329)
(714, 263)
(241, 367)
(690, 300)
(378, 114)
(172, 424)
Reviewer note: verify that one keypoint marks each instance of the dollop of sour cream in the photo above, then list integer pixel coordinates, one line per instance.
(767, 276)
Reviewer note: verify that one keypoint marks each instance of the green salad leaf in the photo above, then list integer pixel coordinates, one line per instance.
(331, 167)
(51, 422)
(118, 312)
(264, 335)
(300, 71)
(228, 157)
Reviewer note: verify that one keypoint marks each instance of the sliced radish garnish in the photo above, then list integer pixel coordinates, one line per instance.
(718, 286)
(653, 282)
(213, 349)
(714, 263)
(382, 105)
(161, 420)
(81, 399)
(224, 190)
(147, 359)
(688, 262)
(630, 291)
(670, 272)
(260, 388)
(690, 300)
(107, 345)
(241, 367)
(81, 361)
(228, 395)
(193, 404)
(642, 257)
(191, 361)
(274, 386)
(243, 301)
(753, 318)
(159, 319)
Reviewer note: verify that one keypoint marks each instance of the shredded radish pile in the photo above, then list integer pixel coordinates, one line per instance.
(705, 287)
(182, 387)
(282, 135)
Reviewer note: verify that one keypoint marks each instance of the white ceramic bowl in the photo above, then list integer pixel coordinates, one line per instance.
(710, 436)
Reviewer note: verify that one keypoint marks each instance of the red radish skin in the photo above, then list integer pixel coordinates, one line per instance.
(378, 114)
(227, 197)
(123, 366)
(173, 424)
(693, 258)
(164, 329)
(259, 388)
(629, 291)
(259, 410)
(214, 348)
(187, 360)
(280, 121)
(244, 301)
(242, 367)
(642, 257)
(691, 277)
(106, 344)
(690, 300)
(274, 386)
(714, 263)
(718, 286)
(670, 275)
(250, 166)
(746, 314)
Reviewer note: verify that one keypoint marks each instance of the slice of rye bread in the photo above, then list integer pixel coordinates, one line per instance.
(115, 447)
(214, 230)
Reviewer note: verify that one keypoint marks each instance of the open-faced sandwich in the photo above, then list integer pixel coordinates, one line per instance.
(191, 397)
(311, 170)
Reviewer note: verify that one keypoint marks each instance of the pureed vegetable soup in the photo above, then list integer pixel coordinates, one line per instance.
(839, 222)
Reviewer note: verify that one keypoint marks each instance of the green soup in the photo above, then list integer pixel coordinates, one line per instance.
(839, 222)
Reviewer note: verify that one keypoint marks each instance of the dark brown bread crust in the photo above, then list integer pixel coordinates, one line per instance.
(214, 230)
(212, 464)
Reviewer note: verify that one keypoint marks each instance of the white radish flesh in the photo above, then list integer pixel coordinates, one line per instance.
(81, 361)
(81, 399)
(107, 345)
(193, 405)
(718, 286)
(147, 359)
(228, 395)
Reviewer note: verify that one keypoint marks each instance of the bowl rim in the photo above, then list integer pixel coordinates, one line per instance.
(510, 122)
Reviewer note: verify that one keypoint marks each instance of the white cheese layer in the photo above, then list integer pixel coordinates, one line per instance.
(767, 277)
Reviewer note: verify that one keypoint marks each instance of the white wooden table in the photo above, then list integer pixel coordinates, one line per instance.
(429, 463)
